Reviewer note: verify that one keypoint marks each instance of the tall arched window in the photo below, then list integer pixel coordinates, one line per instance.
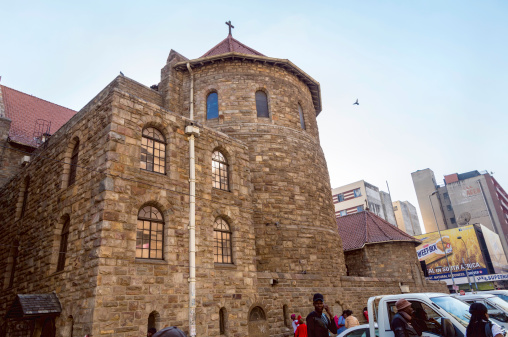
(25, 196)
(285, 314)
(74, 164)
(222, 249)
(154, 320)
(220, 178)
(62, 252)
(212, 106)
(153, 151)
(15, 252)
(150, 232)
(222, 321)
(302, 119)
(262, 104)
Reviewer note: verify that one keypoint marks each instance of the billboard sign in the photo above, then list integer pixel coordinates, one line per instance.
(434, 249)
(495, 249)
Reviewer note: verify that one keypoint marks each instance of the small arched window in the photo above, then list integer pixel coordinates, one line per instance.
(153, 151)
(74, 164)
(222, 321)
(257, 314)
(222, 249)
(25, 196)
(220, 178)
(149, 235)
(62, 252)
(212, 106)
(285, 313)
(302, 119)
(153, 320)
(262, 104)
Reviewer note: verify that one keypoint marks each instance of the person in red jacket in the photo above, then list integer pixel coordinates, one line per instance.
(301, 331)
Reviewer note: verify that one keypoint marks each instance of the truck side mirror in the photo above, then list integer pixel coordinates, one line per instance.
(447, 328)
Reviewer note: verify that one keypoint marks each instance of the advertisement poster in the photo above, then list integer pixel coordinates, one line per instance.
(496, 251)
(433, 251)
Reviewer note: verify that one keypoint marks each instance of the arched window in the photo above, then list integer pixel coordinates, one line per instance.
(222, 321)
(153, 151)
(302, 119)
(212, 106)
(220, 177)
(62, 252)
(153, 320)
(257, 314)
(149, 235)
(222, 250)
(14, 252)
(262, 104)
(285, 313)
(74, 164)
(25, 196)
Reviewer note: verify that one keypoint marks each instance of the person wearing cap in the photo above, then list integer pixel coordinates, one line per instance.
(479, 323)
(171, 331)
(294, 323)
(319, 323)
(401, 322)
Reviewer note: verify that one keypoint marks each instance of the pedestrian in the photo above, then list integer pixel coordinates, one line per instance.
(294, 323)
(479, 323)
(341, 322)
(319, 323)
(351, 320)
(171, 331)
(301, 331)
(150, 332)
(401, 323)
(366, 314)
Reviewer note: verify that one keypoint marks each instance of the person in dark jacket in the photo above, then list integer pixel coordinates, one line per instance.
(479, 324)
(319, 323)
(401, 322)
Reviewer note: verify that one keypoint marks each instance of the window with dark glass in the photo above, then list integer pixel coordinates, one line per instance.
(262, 104)
(302, 119)
(220, 167)
(340, 197)
(149, 234)
(222, 242)
(212, 106)
(25, 196)
(74, 164)
(153, 151)
(62, 252)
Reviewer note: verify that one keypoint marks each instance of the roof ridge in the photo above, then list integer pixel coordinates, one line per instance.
(42, 99)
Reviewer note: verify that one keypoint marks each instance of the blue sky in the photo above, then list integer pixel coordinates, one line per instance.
(430, 75)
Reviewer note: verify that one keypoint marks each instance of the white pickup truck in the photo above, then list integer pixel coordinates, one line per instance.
(436, 315)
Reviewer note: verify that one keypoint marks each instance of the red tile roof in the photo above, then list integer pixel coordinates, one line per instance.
(231, 45)
(31, 116)
(357, 230)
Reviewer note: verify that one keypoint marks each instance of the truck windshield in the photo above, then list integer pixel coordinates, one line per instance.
(457, 309)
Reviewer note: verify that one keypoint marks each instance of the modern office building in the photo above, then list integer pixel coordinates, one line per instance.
(465, 198)
(407, 217)
(358, 196)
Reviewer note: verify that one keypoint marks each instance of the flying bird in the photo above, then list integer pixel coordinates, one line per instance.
(124, 75)
(356, 103)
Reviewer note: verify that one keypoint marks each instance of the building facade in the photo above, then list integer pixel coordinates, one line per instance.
(360, 195)
(465, 198)
(100, 214)
(407, 217)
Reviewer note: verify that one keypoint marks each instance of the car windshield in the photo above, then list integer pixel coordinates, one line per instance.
(500, 303)
(502, 296)
(457, 309)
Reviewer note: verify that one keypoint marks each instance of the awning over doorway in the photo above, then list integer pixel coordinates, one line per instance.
(32, 305)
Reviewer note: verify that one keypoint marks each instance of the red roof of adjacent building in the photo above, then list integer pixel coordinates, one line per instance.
(228, 45)
(31, 116)
(357, 230)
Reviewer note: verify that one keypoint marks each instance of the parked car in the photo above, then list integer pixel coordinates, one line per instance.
(497, 307)
(358, 331)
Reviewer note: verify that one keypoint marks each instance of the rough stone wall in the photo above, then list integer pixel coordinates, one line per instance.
(390, 259)
(289, 173)
(37, 232)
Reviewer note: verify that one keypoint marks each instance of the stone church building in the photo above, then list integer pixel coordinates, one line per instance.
(95, 223)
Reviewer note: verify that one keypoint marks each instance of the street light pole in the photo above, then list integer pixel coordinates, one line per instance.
(469, 260)
(439, 231)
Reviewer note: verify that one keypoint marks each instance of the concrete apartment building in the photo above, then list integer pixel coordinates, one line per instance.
(358, 196)
(407, 217)
(465, 198)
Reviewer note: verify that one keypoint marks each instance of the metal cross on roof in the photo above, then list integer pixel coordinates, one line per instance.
(230, 26)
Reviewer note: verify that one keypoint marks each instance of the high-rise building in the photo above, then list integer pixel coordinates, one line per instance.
(407, 217)
(358, 196)
(465, 198)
